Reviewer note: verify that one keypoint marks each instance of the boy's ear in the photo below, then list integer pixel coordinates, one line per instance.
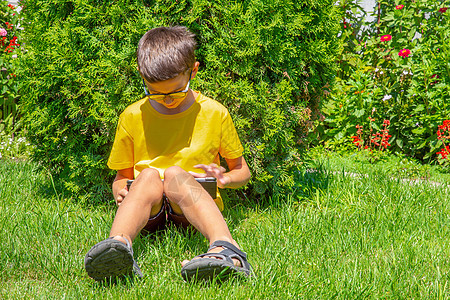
(195, 69)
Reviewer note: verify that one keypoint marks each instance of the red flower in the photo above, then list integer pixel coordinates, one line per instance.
(446, 123)
(399, 6)
(404, 53)
(356, 141)
(386, 37)
(386, 123)
(443, 10)
(434, 76)
(444, 127)
(11, 6)
(444, 152)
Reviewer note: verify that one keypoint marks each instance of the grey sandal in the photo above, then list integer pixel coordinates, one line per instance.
(207, 268)
(111, 258)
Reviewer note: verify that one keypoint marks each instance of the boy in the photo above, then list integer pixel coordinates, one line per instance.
(175, 134)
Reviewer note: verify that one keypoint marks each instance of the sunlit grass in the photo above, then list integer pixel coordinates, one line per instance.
(339, 236)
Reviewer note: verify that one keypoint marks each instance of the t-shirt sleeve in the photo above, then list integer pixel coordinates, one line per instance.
(230, 145)
(122, 156)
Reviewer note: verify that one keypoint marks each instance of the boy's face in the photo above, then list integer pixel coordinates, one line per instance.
(172, 92)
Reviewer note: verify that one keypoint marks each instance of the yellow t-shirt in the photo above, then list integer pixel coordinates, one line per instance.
(146, 138)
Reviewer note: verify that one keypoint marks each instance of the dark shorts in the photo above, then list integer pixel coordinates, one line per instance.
(165, 215)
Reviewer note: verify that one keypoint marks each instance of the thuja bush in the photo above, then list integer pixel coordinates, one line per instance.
(266, 60)
(393, 68)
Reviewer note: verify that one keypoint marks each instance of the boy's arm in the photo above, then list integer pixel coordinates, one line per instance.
(238, 175)
(120, 183)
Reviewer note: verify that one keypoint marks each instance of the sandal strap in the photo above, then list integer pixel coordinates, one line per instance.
(220, 256)
(126, 240)
(229, 246)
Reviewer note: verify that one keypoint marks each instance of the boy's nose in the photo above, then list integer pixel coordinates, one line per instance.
(168, 99)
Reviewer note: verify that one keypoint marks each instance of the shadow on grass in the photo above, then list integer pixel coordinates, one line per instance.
(311, 178)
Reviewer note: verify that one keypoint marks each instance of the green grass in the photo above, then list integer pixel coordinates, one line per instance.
(370, 236)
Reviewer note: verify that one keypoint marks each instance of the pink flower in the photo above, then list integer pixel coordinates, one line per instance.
(404, 53)
(443, 10)
(3, 32)
(399, 6)
(386, 37)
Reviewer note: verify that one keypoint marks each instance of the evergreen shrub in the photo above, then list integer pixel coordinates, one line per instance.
(266, 60)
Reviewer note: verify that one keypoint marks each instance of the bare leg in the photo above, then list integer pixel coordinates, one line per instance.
(189, 198)
(142, 201)
(196, 204)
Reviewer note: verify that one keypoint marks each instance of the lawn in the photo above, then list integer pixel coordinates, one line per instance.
(351, 230)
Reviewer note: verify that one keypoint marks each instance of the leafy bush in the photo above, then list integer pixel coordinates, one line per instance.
(13, 144)
(394, 69)
(9, 49)
(266, 60)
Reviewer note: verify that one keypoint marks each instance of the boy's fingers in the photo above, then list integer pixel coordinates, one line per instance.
(210, 168)
(209, 171)
(201, 166)
(123, 192)
(197, 175)
(217, 173)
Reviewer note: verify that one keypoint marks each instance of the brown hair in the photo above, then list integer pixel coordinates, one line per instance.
(165, 52)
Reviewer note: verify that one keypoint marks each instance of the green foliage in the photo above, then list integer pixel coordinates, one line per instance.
(13, 144)
(8, 51)
(376, 81)
(267, 61)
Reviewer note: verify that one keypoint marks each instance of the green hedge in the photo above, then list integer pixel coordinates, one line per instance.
(266, 60)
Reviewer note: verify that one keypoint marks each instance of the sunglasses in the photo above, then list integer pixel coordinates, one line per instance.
(174, 95)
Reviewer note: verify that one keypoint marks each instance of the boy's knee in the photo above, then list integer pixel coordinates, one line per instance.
(149, 188)
(148, 174)
(174, 172)
(148, 182)
(177, 183)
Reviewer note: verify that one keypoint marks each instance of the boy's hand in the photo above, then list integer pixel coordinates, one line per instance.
(119, 185)
(213, 170)
(121, 195)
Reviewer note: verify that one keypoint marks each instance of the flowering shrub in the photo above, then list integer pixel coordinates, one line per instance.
(395, 68)
(8, 52)
(443, 135)
(377, 141)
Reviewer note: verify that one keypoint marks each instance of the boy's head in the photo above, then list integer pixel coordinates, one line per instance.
(166, 52)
